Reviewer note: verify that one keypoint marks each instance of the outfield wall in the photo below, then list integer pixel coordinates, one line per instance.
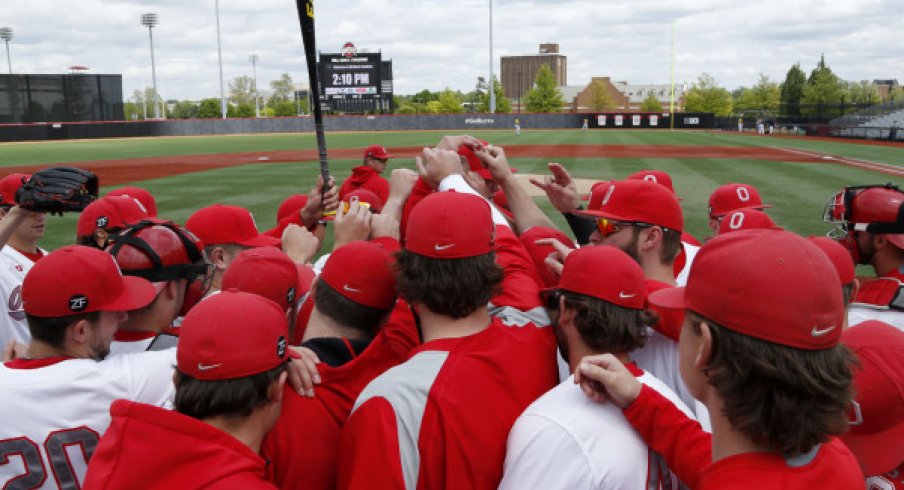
(455, 122)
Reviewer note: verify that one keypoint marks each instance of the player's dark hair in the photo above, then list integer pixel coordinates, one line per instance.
(787, 398)
(231, 398)
(606, 327)
(345, 311)
(671, 246)
(847, 293)
(52, 330)
(451, 287)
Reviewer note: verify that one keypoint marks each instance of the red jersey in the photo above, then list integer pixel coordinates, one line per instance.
(303, 446)
(151, 447)
(441, 419)
(364, 177)
(688, 451)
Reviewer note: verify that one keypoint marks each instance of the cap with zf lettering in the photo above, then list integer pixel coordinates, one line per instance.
(76, 279)
(363, 273)
(110, 213)
(232, 335)
(769, 284)
(450, 225)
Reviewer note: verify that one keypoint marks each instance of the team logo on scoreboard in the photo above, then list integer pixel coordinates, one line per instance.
(349, 50)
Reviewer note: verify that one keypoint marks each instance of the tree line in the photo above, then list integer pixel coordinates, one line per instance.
(279, 101)
(821, 94)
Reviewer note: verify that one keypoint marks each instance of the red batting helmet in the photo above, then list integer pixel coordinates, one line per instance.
(875, 209)
(158, 252)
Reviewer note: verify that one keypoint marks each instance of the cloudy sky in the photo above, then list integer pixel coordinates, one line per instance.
(436, 44)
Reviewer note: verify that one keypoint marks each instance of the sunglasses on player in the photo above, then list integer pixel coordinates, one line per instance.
(608, 227)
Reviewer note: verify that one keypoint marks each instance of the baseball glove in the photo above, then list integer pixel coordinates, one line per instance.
(56, 190)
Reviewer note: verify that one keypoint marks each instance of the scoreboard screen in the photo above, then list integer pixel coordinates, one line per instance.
(357, 75)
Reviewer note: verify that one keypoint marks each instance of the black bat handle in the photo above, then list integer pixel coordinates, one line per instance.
(306, 18)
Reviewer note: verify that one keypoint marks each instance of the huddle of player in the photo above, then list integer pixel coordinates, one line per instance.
(454, 338)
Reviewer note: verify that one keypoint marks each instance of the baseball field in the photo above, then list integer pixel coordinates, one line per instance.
(795, 175)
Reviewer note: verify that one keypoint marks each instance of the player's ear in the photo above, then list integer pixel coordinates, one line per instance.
(275, 391)
(79, 331)
(100, 237)
(704, 348)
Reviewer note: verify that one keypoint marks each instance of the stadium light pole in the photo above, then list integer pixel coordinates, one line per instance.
(220, 56)
(257, 108)
(149, 21)
(492, 85)
(6, 33)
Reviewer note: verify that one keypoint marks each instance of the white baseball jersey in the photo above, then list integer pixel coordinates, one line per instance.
(13, 267)
(54, 410)
(131, 342)
(690, 251)
(660, 358)
(860, 312)
(565, 440)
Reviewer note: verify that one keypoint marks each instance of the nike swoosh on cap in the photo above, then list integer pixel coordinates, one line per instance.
(816, 332)
(624, 295)
(202, 367)
(439, 247)
(350, 289)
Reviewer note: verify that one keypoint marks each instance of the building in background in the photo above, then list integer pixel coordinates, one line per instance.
(60, 98)
(624, 96)
(519, 72)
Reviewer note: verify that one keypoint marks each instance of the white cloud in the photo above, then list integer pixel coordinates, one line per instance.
(436, 44)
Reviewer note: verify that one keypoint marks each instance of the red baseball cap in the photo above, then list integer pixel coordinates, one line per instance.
(142, 195)
(597, 191)
(636, 201)
(377, 151)
(232, 335)
(746, 219)
(605, 273)
(839, 256)
(734, 196)
(8, 187)
(769, 284)
(266, 271)
(474, 162)
(290, 206)
(363, 273)
(110, 213)
(877, 411)
(450, 225)
(655, 176)
(77, 279)
(221, 223)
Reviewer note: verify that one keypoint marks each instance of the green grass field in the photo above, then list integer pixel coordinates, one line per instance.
(798, 191)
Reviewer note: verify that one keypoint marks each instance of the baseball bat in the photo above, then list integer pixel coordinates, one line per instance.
(306, 18)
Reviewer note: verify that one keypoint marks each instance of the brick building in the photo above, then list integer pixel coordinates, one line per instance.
(519, 72)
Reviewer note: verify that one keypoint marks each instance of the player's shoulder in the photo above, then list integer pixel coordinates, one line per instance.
(408, 382)
(666, 391)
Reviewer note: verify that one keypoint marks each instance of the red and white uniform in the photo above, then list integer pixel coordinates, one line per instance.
(13, 267)
(151, 447)
(688, 452)
(131, 342)
(659, 356)
(441, 419)
(303, 446)
(54, 410)
(880, 299)
(589, 445)
(364, 177)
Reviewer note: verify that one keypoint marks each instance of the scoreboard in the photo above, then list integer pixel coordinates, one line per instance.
(353, 82)
(350, 75)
